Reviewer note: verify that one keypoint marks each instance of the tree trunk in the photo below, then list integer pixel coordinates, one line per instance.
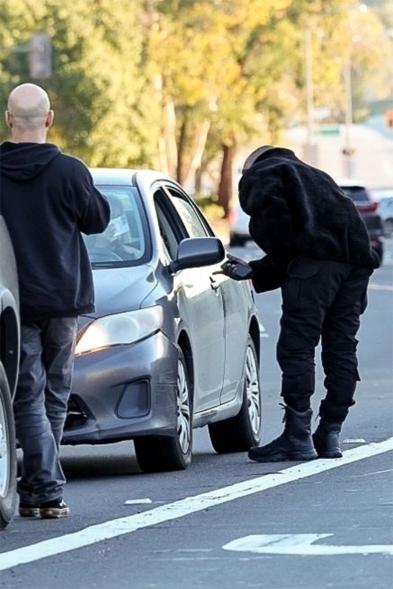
(196, 155)
(199, 172)
(225, 188)
(181, 147)
(170, 136)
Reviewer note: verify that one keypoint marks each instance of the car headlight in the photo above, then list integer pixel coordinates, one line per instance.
(123, 328)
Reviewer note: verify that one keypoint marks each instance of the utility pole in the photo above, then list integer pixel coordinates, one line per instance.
(348, 151)
(310, 148)
(39, 55)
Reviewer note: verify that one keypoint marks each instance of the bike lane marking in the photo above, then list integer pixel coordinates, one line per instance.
(187, 506)
(301, 545)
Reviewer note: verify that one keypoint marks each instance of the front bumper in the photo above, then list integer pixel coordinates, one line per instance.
(123, 392)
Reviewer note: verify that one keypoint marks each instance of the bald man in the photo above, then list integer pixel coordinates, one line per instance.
(48, 200)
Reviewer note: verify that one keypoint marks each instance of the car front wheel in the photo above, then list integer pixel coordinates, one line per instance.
(240, 433)
(7, 453)
(158, 453)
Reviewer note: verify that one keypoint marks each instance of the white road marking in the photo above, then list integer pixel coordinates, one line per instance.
(301, 545)
(137, 501)
(369, 474)
(183, 507)
(375, 286)
(354, 441)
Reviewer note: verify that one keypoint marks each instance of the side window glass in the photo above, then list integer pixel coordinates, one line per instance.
(167, 232)
(191, 220)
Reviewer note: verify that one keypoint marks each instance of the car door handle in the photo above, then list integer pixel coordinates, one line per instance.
(214, 284)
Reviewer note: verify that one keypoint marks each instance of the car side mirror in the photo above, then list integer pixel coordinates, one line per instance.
(194, 252)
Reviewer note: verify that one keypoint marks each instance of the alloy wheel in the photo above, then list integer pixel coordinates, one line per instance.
(183, 409)
(252, 390)
(4, 454)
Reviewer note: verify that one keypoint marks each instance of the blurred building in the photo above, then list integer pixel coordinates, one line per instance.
(372, 144)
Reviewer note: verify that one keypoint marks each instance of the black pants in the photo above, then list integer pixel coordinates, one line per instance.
(40, 405)
(321, 300)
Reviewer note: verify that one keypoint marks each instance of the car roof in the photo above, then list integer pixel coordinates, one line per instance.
(348, 182)
(125, 176)
(110, 175)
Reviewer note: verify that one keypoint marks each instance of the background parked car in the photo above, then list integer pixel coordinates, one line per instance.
(174, 344)
(384, 197)
(238, 226)
(368, 208)
(9, 362)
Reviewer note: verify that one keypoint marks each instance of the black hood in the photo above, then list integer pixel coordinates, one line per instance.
(24, 161)
(272, 151)
(298, 210)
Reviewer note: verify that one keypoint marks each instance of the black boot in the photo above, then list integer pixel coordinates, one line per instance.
(327, 439)
(295, 443)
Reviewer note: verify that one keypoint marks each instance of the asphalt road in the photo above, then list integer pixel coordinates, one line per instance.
(312, 526)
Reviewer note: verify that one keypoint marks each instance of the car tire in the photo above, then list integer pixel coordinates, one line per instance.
(240, 433)
(7, 453)
(158, 453)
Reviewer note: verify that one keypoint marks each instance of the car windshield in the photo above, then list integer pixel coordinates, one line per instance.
(357, 193)
(123, 242)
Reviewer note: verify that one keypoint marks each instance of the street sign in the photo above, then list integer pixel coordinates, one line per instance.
(329, 131)
(389, 118)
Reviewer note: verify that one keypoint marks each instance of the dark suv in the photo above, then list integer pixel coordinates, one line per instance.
(9, 362)
(368, 208)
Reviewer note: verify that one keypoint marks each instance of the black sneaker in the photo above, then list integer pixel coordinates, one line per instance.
(54, 509)
(26, 510)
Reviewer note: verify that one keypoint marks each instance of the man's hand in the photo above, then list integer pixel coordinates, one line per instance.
(236, 268)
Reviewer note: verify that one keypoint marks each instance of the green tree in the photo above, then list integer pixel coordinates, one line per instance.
(97, 85)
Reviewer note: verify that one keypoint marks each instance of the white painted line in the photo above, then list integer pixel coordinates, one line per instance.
(369, 474)
(183, 507)
(354, 441)
(137, 501)
(301, 545)
(375, 286)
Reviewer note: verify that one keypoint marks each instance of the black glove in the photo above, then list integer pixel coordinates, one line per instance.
(236, 268)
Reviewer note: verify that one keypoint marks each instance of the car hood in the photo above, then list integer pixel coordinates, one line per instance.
(121, 289)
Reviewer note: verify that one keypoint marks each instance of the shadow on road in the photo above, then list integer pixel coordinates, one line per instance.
(92, 467)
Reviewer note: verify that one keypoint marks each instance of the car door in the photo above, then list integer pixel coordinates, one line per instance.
(199, 301)
(235, 297)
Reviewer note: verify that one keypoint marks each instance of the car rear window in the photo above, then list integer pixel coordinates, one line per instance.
(123, 243)
(357, 193)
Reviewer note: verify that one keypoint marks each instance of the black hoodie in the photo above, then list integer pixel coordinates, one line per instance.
(298, 210)
(47, 199)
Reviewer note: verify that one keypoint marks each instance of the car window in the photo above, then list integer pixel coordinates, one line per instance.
(123, 242)
(356, 193)
(169, 234)
(193, 223)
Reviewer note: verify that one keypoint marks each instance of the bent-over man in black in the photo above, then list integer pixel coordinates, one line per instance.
(318, 252)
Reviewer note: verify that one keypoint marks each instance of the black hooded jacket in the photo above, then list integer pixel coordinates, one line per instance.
(298, 210)
(47, 199)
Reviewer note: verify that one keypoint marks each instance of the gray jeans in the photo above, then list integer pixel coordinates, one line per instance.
(40, 406)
